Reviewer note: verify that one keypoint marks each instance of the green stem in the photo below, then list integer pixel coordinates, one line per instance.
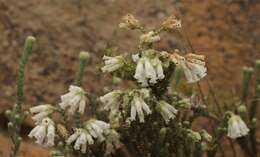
(247, 74)
(80, 73)
(17, 116)
(253, 108)
(20, 80)
(83, 59)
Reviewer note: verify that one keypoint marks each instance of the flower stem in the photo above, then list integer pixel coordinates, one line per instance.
(83, 59)
(20, 80)
(17, 117)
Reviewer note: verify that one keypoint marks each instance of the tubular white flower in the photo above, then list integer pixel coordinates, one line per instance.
(98, 129)
(138, 107)
(140, 73)
(193, 66)
(158, 68)
(82, 139)
(236, 127)
(41, 112)
(167, 111)
(112, 142)
(149, 37)
(75, 100)
(149, 70)
(44, 132)
(93, 130)
(112, 63)
(110, 100)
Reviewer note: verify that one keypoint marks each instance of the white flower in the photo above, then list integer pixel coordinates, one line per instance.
(149, 37)
(41, 112)
(97, 129)
(167, 111)
(138, 106)
(112, 142)
(135, 57)
(158, 68)
(94, 129)
(236, 127)
(110, 100)
(193, 66)
(140, 73)
(149, 70)
(82, 138)
(75, 100)
(44, 132)
(112, 63)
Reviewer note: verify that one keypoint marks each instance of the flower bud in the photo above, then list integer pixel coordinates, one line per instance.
(10, 125)
(186, 123)
(19, 139)
(242, 109)
(247, 74)
(28, 46)
(195, 136)
(162, 134)
(60, 144)
(26, 113)
(8, 113)
(130, 22)
(258, 90)
(62, 131)
(257, 65)
(17, 117)
(254, 122)
(206, 136)
(171, 23)
(84, 55)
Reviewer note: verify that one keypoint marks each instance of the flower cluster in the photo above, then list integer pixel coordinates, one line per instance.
(41, 112)
(112, 63)
(94, 130)
(193, 66)
(151, 107)
(135, 99)
(236, 127)
(74, 100)
(149, 68)
(44, 132)
(167, 111)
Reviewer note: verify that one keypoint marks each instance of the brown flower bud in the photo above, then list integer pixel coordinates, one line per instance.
(171, 23)
(62, 131)
(129, 21)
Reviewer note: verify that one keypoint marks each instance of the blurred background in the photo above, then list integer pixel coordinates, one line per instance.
(226, 31)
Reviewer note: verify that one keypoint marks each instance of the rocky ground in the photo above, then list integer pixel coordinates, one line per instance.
(226, 31)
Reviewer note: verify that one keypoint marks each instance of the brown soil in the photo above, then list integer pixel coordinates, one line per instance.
(226, 31)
